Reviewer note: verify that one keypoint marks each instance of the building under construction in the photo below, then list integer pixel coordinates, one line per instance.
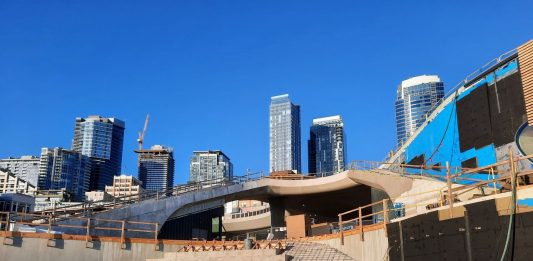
(156, 167)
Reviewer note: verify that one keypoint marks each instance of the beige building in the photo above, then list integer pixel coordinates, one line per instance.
(95, 196)
(124, 186)
(9, 183)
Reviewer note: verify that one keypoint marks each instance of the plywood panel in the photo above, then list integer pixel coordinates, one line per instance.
(525, 61)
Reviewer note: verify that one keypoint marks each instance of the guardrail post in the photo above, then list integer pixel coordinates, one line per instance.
(361, 225)
(340, 230)
(450, 195)
(385, 215)
(156, 231)
(122, 234)
(157, 195)
(50, 224)
(513, 174)
(8, 220)
(87, 234)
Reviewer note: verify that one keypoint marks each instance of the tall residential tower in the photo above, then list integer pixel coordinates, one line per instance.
(64, 169)
(210, 165)
(156, 168)
(100, 139)
(285, 144)
(415, 98)
(326, 146)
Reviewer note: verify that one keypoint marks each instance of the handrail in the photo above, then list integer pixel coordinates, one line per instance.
(21, 218)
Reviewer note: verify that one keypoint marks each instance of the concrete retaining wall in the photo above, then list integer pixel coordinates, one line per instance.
(373, 248)
(35, 249)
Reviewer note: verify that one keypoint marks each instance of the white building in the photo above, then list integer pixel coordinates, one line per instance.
(9, 183)
(25, 167)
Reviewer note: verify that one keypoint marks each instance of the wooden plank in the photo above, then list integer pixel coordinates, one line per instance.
(525, 60)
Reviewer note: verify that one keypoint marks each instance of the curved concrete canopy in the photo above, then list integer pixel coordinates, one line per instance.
(160, 210)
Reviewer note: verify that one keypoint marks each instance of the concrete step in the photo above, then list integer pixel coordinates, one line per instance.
(310, 251)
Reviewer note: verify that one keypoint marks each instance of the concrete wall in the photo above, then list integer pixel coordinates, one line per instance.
(374, 246)
(35, 249)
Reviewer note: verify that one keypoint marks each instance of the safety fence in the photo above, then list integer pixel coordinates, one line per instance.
(37, 223)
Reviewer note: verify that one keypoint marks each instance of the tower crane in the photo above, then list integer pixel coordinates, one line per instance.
(141, 134)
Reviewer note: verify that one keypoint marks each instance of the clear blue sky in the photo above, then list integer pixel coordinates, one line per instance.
(205, 70)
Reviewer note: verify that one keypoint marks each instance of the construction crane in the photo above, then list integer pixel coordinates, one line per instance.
(141, 134)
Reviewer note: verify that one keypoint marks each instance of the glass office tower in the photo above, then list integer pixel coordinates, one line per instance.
(156, 168)
(210, 165)
(326, 146)
(415, 98)
(100, 139)
(285, 147)
(64, 169)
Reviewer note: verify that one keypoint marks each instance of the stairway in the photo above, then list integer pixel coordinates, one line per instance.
(310, 251)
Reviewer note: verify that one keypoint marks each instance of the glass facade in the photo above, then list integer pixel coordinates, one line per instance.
(64, 169)
(210, 165)
(285, 144)
(156, 168)
(101, 139)
(415, 99)
(326, 146)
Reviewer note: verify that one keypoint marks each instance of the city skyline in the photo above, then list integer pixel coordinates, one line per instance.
(149, 59)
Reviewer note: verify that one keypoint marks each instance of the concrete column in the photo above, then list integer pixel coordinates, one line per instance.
(277, 212)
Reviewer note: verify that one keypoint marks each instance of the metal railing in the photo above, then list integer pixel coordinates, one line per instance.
(9, 221)
(468, 79)
(247, 214)
(497, 181)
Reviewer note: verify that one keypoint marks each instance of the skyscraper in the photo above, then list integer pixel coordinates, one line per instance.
(415, 98)
(25, 167)
(285, 144)
(210, 165)
(64, 169)
(100, 139)
(326, 146)
(156, 168)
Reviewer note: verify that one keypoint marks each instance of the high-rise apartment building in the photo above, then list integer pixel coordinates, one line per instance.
(64, 169)
(25, 167)
(415, 98)
(156, 168)
(100, 139)
(326, 146)
(285, 143)
(210, 165)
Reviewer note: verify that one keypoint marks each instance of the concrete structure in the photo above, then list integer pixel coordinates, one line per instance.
(25, 167)
(48, 199)
(327, 146)
(98, 196)
(156, 168)
(125, 186)
(16, 202)
(312, 196)
(101, 139)
(416, 96)
(285, 141)
(210, 165)
(9, 183)
(64, 169)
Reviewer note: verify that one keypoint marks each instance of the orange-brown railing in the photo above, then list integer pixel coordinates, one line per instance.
(7, 219)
